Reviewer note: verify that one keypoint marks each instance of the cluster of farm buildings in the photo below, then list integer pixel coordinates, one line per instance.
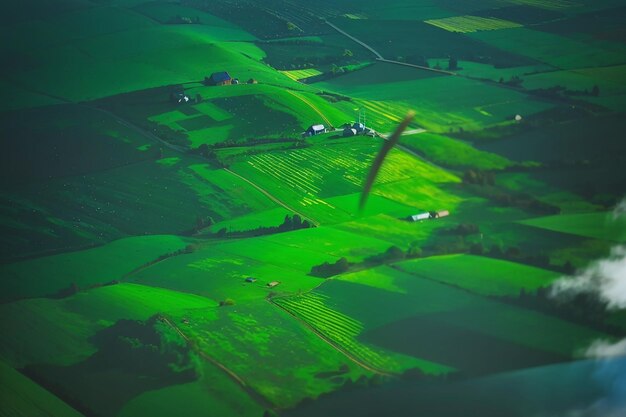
(428, 215)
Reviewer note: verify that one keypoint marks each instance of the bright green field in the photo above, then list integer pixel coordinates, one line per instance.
(257, 341)
(596, 225)
(453, 153)
(480, 275)
(441, 102)
(21, 397)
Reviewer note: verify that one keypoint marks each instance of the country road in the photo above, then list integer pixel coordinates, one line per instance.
(380, 58)
(363, 44)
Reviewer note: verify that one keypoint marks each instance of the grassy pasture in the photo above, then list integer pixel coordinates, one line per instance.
(555, 50)
(47, 275)
(469, 24)
(594, 225)
(65, 140)
(257, 341)
(213, 393)
(69, 213)
(397, 38)
(343, 331)
(567, 201)
(453, 153)
(131, 60)
(480, 275)
(471, 312)
(21, 397)
(331, 242)
(219, 272)
(66, 325)
(301, 74)
(442, 103)
(26, 324)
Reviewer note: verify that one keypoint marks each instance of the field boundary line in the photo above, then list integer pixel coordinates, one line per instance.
(308, 103)
(363, 44)
(271, 197)
(236, 378)
(333, 344)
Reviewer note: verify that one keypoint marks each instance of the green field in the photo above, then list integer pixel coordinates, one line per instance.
(442, 103)
(113, 261)
(469, 24)
(257, 342)
(21, 397)
(487, 276)
(595, 225)
(163, 257)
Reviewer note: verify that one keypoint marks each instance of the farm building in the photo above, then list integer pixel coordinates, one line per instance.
(273, 284)
(419, 217)
(348, 131)
(315, 130)
(441, 213)
(219, 78)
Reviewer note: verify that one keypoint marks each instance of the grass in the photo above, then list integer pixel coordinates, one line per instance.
(442, 103)
(218, 272)
(343, 331)
(595, 225)
(480, 275)
(47, 275)
(555, 50)
(67, 325)
(257, 341)
(301, 74)
(21, 397)
(214, 393)
(449, 152)
(469, 24)
(375, 307)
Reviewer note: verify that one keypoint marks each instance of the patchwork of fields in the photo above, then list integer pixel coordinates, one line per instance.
(169, 243)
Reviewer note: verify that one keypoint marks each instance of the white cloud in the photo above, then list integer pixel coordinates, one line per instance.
(620, 210)
(606, 278)
(605, 349)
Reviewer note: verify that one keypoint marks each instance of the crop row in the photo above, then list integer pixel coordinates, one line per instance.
(469, 24)
(335, 326)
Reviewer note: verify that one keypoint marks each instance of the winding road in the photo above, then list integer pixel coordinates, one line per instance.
(380, 58)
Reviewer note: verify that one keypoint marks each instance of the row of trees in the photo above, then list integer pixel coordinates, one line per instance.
(291, 222)
(392, 254)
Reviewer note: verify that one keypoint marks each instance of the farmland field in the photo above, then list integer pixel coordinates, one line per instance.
(595, 225)
(468, 24)
(179, 237)
(499, 277)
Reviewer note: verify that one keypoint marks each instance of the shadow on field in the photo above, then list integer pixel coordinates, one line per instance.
(132, 357)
